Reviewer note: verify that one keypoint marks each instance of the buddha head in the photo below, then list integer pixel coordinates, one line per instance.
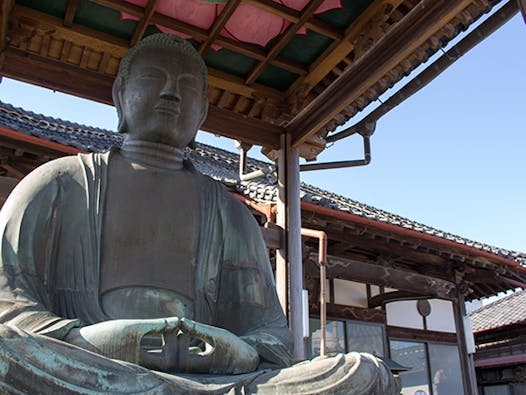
(160, 91)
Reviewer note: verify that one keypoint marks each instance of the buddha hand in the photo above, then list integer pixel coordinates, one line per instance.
(121, 339)
(225, 353)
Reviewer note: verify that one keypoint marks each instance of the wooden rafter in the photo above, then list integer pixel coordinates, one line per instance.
(236, 85)
(78, 34)
(338, 50)
(218, 25)
(70, 12)
(117, 47)
(294, 16)
(250, 50)
(5, 9)
(411, 32)
(144, 22)
(291, 30)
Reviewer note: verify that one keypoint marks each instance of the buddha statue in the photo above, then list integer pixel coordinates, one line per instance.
(130, 272)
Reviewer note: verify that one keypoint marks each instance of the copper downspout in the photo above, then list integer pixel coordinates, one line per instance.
(322, 260)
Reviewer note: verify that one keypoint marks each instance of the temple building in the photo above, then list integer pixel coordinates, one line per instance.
(394, 287)
(500, 339)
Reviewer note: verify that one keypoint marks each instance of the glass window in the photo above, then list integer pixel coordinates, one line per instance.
(335, 337)
(412, 355)
(365, 337)
(445, 369)
(502, 389)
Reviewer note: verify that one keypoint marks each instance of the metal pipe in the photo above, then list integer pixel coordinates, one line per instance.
(322, 260)
(243, 149)
(346, 163)
(490, 25)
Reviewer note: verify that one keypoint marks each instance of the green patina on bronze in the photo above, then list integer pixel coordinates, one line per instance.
(131, 255)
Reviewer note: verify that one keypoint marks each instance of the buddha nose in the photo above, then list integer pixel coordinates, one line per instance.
(171, 91)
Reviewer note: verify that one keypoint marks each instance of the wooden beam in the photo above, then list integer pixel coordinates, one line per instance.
(109, 45)
(355, 313)
(250, 50)
(386, 297)
(404, 280)
(522, 7)
(144, 22)
(38, 70)
(5, 10)
(293, 16)
(77, 34)
(338, 50)
(94, 86)
(396, 332)
(272, 236)
(291, 30)
(239, 127)
(414, 29)
(13, 170)
(219, 23)
(222, 80)
(70, 12)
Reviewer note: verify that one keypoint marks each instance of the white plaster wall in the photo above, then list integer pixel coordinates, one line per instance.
(441, 318)
(375, 290)
(404, 314)
(350, 293)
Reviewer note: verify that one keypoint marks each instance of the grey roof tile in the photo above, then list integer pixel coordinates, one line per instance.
(506, 311)
(223, 166)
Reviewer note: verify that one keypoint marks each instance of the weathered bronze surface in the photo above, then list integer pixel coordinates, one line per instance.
(128, 271)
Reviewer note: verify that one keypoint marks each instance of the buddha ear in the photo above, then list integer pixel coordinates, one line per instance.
(116, 93)
(204, 111)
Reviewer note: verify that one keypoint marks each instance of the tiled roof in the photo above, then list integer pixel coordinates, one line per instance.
(506, 311)
(223, 166)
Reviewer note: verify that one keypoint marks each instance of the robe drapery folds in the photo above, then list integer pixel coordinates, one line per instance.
(50, 258)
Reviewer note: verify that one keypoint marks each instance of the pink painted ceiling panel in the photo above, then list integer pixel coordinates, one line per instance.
(248, 23)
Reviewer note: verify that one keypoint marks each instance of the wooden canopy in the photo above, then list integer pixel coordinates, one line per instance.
(301, 84)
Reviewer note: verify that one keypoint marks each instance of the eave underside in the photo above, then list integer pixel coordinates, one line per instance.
(273, 91)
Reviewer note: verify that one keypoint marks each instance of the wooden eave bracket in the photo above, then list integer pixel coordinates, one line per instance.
(397, 44)
(5, 10)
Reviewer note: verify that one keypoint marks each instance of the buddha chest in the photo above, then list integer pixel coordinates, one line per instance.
(148, 243)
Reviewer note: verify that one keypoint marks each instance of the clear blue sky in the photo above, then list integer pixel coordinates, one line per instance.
(452, 156)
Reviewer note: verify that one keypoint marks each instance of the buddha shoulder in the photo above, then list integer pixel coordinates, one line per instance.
(48, 179)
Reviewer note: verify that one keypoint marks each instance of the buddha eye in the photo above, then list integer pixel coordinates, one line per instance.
(151, 74)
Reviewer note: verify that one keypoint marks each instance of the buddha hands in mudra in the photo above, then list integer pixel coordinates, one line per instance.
(161, 99)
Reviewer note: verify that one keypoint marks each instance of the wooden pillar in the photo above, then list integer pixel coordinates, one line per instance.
(289, 216)
(281, 220)
(466, 367)
(522, 7)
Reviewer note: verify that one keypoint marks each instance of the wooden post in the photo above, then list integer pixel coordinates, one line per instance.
(281, 220)
(467, 374)
(294, 250)
(522, 7)
(289, 217)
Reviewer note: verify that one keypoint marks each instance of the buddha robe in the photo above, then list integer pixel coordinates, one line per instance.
(49, 283)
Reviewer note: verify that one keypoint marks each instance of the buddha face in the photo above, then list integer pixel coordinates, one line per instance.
(162, 100)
